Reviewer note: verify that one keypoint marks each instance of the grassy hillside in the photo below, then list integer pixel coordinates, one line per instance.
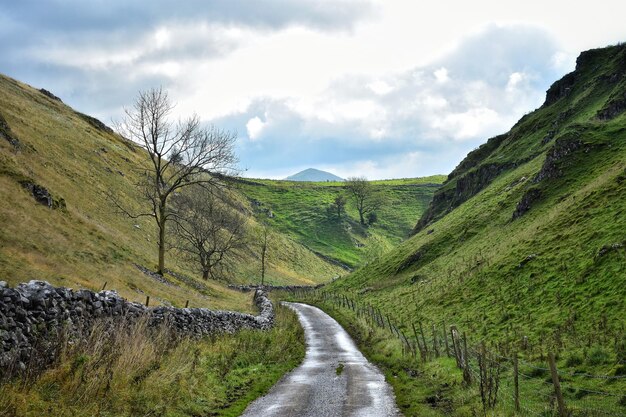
(300, 210)
(83, 241)
(523, 248)
(527, 235)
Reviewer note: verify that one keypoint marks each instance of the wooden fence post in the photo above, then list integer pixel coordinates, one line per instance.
(409, 345)
(456, 347)
(147, 300)
(417, 339)
(187, 304)
(557, 385)
(423, 338)
(516, 381)
(445, 338)
(467, 375)
(435, 347)
(104, 286)
(390, 326)
(382, 319)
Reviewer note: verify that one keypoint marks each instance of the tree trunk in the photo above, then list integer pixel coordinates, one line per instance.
(263, 265)
(361, 216)
(205, 274)
(161, 240)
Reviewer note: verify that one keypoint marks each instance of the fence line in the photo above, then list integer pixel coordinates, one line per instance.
(480, 363)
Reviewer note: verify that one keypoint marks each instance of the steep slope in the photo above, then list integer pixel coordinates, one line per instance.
(301, 211)
(56, 168)
(314, 175)
(581, 97)
(527, 235)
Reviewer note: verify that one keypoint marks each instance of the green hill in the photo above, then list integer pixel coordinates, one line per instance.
(70, 162)
(300, 210)
(527, 235)
(523, 250)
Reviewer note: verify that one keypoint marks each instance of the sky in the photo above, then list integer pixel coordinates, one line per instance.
(374, 88)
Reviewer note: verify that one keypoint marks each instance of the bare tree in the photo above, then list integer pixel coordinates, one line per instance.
(362, 192)
(208, 227)
(182, 154)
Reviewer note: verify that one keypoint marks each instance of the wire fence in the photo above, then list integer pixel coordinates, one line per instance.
(505, 382)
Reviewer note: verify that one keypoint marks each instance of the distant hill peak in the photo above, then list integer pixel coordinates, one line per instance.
(315, 175)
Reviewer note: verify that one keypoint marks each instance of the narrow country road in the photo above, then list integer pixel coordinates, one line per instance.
(334, 380)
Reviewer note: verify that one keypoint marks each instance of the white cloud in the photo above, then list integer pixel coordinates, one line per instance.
(254, 127)
(468, 124)
(378, 77)
(434, 102)
(351, 121)
(162, 37)
(562, 61)
(380, 87)
(441, 75)
(514, 79)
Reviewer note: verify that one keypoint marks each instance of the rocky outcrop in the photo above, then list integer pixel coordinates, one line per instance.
(560, 88)
(613, 108)
(95, 123)
(527, 201)
(552, 165)
(466, 186)
(478, 155)
(588, 62)
(50, 95)
(7, 134)
(42, 195)
(36, 314)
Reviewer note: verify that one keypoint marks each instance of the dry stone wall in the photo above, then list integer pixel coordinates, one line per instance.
(36, 313)
(246, 288)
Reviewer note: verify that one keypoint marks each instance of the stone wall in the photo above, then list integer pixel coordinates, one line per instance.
(246, 288)
(35, 314)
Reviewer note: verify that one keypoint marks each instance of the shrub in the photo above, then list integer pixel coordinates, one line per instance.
(574, 359)
(597, 356)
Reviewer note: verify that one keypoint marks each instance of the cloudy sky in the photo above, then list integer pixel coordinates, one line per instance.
(381, 88)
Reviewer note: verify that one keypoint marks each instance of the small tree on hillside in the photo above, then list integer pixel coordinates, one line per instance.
(263, 238)
(209, 229)
(181, 154)
(338, 206)
(363, 196)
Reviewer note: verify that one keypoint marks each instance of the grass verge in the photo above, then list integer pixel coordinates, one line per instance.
(132, 370)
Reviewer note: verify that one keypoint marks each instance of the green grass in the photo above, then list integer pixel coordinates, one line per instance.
(436, 387)
(555, 276)
(299, 210)
(542, 275)
(90, 243)
(142, 372)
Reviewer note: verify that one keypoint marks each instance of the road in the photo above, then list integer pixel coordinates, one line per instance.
(334, 380)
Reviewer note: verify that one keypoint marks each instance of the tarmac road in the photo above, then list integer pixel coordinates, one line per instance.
(334, 380)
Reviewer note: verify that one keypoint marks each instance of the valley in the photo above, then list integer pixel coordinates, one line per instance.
(519, 252)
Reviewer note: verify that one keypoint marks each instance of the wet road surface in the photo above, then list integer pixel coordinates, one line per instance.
(320, 386)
